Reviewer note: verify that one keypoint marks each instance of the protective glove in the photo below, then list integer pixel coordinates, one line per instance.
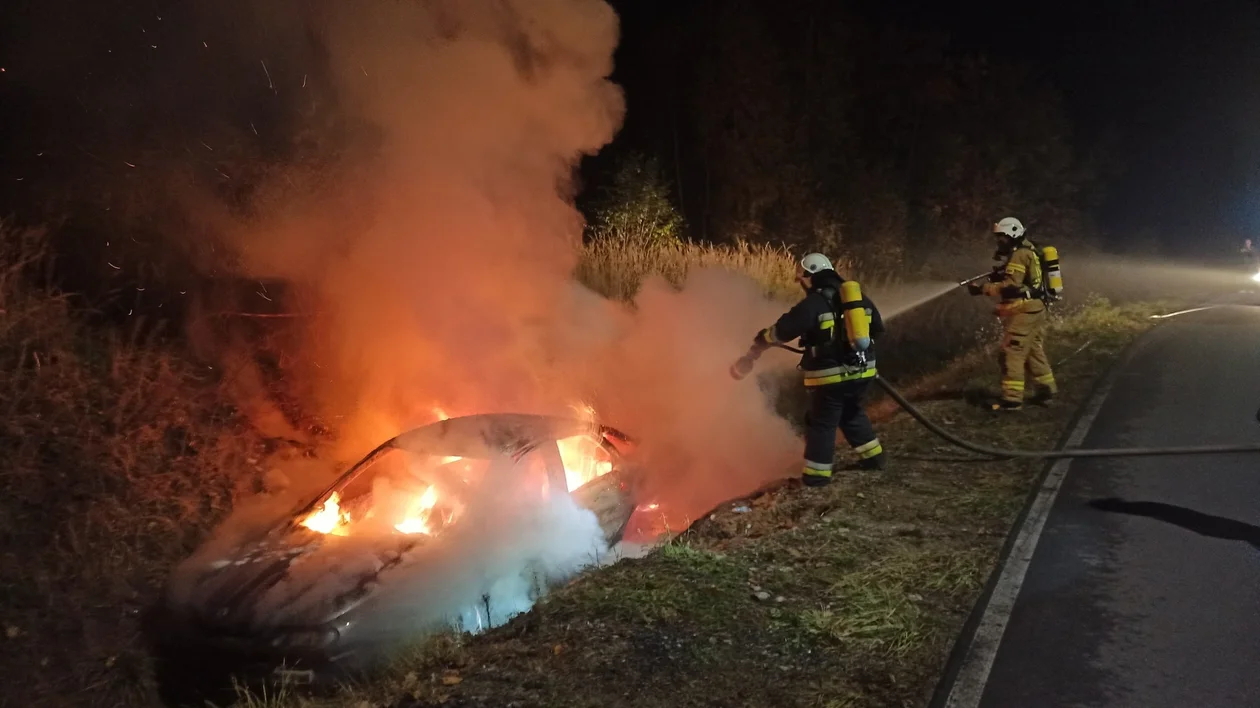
(742, 367)
(975, 288)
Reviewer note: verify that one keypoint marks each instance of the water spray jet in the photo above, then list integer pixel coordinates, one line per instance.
(919, 295)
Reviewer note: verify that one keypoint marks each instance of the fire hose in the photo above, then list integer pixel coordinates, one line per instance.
(1001, 454)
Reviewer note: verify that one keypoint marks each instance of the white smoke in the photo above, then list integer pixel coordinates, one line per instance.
(507, 550)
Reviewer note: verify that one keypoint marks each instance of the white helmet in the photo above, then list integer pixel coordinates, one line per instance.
(814, 262)
(1009, 226)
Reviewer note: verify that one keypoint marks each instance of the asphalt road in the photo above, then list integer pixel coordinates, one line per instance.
(1143, 590)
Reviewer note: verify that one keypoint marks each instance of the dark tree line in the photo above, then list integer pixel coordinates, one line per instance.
(802, 122)
(792, 121)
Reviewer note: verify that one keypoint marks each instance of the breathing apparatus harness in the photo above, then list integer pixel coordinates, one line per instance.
(1048, 288)
(845, 305)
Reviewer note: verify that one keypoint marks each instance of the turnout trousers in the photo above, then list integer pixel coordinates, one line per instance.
(832, 406)
(1023, 355)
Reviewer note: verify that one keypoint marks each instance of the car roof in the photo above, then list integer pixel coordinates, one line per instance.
(478, 436)
(487, 434)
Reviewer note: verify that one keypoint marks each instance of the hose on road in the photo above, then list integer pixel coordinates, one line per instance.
(1002, 454)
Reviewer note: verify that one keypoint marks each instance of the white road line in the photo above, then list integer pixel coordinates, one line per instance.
(1183, 312)
(973, 675)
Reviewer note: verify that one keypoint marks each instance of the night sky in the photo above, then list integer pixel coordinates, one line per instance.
(1171, 86)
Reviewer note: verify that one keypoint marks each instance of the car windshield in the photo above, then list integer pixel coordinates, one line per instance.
(400, 491)
(418, 485)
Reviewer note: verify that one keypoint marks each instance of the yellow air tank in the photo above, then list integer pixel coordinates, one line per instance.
(1054, 277)
(857, 324)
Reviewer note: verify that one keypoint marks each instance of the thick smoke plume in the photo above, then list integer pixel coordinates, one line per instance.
(440, 274)
(705, 437)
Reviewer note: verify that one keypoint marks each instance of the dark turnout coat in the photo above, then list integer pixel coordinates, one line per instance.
(818, 321)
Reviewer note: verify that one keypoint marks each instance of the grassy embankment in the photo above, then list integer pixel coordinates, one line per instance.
(119, 456)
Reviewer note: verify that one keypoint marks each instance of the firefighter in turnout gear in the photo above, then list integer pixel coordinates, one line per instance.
(835, 324)
(1018, 283)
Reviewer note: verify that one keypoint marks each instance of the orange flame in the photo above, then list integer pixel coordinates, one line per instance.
(581, 455)
(583, 460)
(328, 518)
(417, 519)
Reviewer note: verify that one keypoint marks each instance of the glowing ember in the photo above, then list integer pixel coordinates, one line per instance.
(328, 518)
(417, 520)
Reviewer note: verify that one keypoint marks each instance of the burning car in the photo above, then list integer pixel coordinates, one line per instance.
(312, 592)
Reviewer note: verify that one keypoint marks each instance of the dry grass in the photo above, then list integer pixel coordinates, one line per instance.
(117, 457)
(615, 269)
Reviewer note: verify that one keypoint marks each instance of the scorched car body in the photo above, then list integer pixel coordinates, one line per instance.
(256, 608)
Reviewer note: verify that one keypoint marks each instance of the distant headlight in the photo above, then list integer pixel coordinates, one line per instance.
(1256, 277)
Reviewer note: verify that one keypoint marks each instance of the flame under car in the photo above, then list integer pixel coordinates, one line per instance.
(303, 593)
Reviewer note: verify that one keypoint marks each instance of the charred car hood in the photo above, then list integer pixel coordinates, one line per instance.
(280, 582)
(267, 587)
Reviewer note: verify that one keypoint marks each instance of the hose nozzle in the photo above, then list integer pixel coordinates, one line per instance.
(742, 367)
(969, 281)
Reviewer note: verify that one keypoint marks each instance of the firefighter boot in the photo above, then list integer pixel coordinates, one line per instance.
(1043, 396)
(1046, 388)
(878, 462)
(814, 480)
(875, 463)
